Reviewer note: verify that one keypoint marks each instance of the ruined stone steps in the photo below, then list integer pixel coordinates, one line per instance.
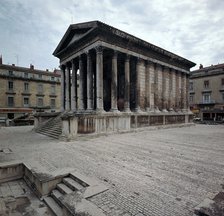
(64, 189)
(54, 206)
(71, 183)
(56, 195)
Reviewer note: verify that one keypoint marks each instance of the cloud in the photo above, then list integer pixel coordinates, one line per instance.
(32, 29)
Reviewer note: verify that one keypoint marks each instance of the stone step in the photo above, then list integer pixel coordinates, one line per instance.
(56, 194)
(71, 183)
(64, 189)
(53, 205)
(50, 135)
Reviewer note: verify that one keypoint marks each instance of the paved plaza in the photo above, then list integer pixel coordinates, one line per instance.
(164, 172)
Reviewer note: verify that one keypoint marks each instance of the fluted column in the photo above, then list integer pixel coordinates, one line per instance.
(62, 88)
(74, 87)
(99, 78)
(170, 90)
(173, 97)
(147, 86)
(114, 83)
(137, 90)
(158, 88)
(127, 84)
(165, 88)
(152, 85)
(81, 84)
(67, 88)
(185, 96)
(89, 82)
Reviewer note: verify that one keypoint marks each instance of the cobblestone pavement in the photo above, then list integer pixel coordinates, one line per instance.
(161, 172)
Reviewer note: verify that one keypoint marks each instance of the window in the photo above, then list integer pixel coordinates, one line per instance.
(40, 88)
(10, 101)
(40, 102)
(206, 84)
(52, 78)
(191, 86)
(222, 82)
(40, 76)
(26, 87)
(10, 85)
(53, 89)
(53, 103)
(26, 102)
(26, 75)
(10, 73)
(206, 98)
(191, 98)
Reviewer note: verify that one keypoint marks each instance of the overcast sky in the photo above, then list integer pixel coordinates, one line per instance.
(30, 30)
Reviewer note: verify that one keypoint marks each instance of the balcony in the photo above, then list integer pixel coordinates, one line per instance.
(207, 102)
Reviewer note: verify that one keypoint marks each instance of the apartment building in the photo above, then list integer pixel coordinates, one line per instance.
(206, 92)
(26, 90)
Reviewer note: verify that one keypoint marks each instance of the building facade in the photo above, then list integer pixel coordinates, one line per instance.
(24, 90)
(124, 82)
(206, 92)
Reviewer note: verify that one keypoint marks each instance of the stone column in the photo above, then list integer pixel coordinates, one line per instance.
(187, 93)
(147, 86)
(184, 95)
(152, 85)
(158, 88)
(170, 91)
(165, 88)
(137, 90)
(177, 91)
(173, 97)
(89, 82)
(127, 84)
(67, 86)
(114, 83)
(99, 79)
(81, 84)
(62, 88)
(74, 86)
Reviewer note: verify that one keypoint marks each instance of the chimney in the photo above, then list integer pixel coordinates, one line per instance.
(0, 59)
(31, 66)
(201, 66)
(47, 70)
(13, 64)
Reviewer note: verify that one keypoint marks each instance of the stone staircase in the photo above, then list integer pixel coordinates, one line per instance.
(52, 128)
(55, 201)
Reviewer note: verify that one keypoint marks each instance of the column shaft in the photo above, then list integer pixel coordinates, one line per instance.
(147, 86)
(89, 82)
(127, 84)
(73, 87)
(67, 86)
(152, 86)
(99, 78)
(114, 83)
(62, 88)
(137, 99)
(81, 84)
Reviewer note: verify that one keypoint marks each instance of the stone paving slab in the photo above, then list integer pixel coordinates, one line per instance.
(159, 172)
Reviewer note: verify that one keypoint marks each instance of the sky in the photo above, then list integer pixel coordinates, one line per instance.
(30, 30)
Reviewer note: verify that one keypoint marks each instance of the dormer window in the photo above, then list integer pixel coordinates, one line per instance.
(10, 73)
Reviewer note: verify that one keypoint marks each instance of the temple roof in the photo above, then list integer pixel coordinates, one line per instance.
(81, 31)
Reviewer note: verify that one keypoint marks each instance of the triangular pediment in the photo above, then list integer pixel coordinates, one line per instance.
(73, 34)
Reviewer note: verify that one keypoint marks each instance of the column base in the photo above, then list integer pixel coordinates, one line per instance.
(127, 110)
(100, 110)
(156, 110)
(165, 110)
(114, 110)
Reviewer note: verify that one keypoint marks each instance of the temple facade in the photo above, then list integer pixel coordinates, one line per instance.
(113, 81)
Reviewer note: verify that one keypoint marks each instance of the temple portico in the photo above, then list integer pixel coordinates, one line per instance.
(113, 81)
